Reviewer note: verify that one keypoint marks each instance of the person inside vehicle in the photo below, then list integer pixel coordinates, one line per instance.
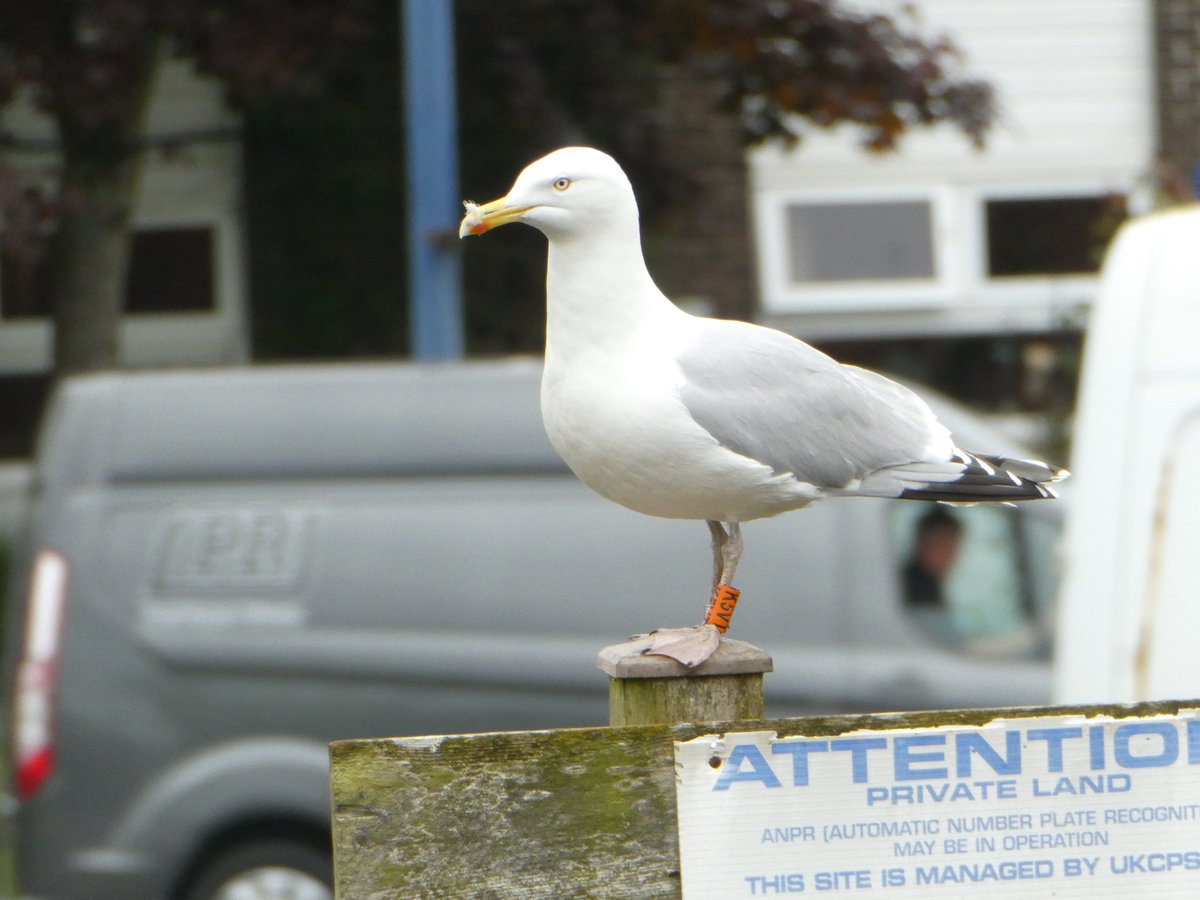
(935, 549)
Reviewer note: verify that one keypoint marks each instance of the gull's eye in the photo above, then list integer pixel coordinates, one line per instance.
(561, 184)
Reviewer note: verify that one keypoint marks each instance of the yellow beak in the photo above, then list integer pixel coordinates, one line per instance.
(491, 215)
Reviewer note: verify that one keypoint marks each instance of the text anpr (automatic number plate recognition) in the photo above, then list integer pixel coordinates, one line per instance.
(1026, 807)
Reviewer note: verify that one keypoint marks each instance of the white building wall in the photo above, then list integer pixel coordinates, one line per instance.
(196, 185)
(1074, 82)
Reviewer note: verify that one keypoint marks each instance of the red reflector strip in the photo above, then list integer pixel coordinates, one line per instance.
(33, 709)
(33, 772)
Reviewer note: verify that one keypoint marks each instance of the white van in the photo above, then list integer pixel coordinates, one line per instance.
(1130, 600)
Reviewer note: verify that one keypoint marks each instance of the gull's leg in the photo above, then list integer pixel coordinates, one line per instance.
(725, 595)
(731, 552)
(719, 539)
(692, 646)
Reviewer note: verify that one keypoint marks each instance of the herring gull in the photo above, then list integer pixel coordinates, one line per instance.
(686, 417)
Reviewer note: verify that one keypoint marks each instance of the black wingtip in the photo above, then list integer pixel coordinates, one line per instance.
(992, 479)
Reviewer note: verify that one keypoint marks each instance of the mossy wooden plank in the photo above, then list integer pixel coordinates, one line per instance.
(572, 813)
(534, 814)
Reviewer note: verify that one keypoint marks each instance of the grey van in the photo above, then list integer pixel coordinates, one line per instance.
(226, 569)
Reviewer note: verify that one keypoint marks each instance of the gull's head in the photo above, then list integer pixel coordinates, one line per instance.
(570, 191)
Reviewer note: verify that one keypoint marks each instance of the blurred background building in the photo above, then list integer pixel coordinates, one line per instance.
(276, 232)
(941, 239)
(187, 299)
(973, 269)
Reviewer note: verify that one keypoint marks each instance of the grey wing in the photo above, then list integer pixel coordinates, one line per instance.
(777, 400)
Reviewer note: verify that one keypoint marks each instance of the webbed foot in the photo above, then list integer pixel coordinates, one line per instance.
(690, 646)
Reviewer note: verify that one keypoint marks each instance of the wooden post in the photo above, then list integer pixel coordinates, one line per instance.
(657, 690)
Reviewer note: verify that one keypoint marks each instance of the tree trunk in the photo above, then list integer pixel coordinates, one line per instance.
(710, 253)
(90, 257)
(90, 251)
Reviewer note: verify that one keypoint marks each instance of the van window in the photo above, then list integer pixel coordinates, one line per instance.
(969, 580)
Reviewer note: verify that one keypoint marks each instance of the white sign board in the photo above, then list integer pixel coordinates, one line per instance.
(1031, 807)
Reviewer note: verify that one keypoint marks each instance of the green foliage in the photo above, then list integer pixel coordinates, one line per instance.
(325, 200)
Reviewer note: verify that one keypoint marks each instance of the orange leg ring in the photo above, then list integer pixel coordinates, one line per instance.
(720, 608)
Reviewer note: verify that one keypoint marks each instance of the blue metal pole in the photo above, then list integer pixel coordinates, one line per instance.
(434, 281)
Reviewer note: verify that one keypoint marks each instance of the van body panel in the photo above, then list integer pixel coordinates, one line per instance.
(1171, 619)
(1128, 599)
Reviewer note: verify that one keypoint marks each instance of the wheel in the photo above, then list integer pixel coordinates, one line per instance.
(265, 870)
